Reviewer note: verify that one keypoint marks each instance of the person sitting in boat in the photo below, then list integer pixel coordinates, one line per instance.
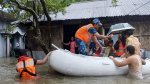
(72, 45)
(25, 66)
(106, 42)
(96, 50)
(85, 33)
(112, 50)
(131, 40)
(133, 61)
(120, 44)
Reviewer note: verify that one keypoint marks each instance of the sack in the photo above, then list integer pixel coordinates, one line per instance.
(105, 52)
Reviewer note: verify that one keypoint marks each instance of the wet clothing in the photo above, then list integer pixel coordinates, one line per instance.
(17, 50)
(84, 35)
(131, 40)
(92, 46)
(25, 67)
(81, 46)
(137, 73)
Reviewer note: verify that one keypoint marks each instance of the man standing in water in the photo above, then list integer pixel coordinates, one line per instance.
(133, 61)
(16, 50)
(25, 66)
(85, 33)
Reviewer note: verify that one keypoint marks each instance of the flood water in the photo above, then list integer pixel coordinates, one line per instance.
(9, 75)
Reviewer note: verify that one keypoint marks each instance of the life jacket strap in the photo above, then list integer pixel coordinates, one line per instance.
(25, 70)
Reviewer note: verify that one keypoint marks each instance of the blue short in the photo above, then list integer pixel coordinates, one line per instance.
(81, 46)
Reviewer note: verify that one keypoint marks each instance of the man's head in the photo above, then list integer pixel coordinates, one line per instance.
(96, 23)
(130, 50)
(23, 52)
(128, 32)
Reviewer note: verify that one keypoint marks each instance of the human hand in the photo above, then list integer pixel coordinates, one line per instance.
(49, 53)
(111, 57)
(111, 35)
(103, 48)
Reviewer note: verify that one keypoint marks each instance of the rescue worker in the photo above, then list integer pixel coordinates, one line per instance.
(85, 33)
(120, 45)
(25, 66)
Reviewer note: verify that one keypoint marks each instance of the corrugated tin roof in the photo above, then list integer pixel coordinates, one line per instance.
(101, 8)
(93, 9)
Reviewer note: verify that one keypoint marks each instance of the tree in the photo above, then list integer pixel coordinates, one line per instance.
(23, 10)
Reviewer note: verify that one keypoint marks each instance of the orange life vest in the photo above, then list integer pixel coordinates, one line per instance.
(121, 49)
(83, 34)
(25, 67)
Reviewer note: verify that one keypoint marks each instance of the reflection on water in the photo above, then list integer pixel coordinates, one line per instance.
(8, 75)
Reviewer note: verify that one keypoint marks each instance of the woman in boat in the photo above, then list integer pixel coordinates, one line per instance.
(131, 40)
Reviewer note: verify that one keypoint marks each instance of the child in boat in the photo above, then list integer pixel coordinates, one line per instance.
(133, 61)
(72, 45)
(95, 48)
(112, 50)
(97, 51)
(26, 65)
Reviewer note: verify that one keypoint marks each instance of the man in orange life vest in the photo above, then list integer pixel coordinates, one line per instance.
(120, 44)
(85, 33)
(25, 65)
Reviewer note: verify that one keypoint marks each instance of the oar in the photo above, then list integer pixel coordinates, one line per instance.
(55, 46)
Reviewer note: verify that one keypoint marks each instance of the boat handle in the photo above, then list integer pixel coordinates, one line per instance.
(105, 63)
(55, 46)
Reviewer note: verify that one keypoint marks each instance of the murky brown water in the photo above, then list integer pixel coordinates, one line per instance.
(8, 75)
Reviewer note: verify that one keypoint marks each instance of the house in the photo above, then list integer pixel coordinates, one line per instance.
(5, 40)
(134, 12)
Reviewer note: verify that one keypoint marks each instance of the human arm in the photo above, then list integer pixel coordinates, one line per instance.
(123, 63)
(96, 41)
(66, 43)
(102, 36)
(39, 62)
(143, 61)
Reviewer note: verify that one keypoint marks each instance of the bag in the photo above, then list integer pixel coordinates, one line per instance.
(105, 52)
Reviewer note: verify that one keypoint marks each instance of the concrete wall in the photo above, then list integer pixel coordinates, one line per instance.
(2, 46)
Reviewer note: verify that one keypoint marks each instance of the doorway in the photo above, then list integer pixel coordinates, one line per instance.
(69, 31)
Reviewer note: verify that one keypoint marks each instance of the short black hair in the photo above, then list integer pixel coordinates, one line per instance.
(128, 32)
(110, 41)
(131, 49)
(23, 52)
